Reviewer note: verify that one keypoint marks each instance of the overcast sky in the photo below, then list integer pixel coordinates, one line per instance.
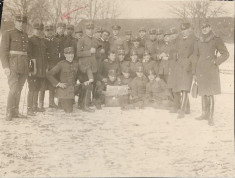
(138, 9)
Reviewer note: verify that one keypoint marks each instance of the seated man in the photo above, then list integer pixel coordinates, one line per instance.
(68, 71)
(156, 92)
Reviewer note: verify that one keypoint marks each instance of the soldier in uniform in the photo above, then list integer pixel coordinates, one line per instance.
(60, 30)
(183, 66)
(69, 71)
(123, 63)
(138, 88)
(127, 43)
(115, 40)
(69, 40)
(149, 64)
(78, 33)
(36, 78)
(137, 48)
(14, 58)
(151, 46)
(134, 63)
(206, 69)
(110, 64)
(142, 36)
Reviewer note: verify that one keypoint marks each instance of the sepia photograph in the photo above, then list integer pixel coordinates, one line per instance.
(117, 88)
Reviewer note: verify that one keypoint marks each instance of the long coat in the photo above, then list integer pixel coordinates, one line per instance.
(86, 58)
(207, 64)
(37, 50)
(183, 65)
(68, 72)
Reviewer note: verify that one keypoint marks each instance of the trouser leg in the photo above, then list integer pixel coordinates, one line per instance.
(211, 110)
(51, 99)
(183, 104)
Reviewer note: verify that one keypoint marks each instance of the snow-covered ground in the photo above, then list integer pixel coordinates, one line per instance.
(112, 142)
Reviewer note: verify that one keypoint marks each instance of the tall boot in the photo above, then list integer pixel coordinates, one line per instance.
(181, 112)
(41, 101)
(211, 111)
(10, 106)
(187, 109)
(35, 101)
(51, 99)
(16, 113)
(87, 99)
(30, 104)
(203, 116)
(176, 101)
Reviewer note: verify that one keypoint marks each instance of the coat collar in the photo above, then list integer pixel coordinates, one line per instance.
(207, 38)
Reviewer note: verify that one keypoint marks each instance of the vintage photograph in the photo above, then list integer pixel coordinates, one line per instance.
(117, 88)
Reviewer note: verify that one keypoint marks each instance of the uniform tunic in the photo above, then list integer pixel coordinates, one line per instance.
(109, 65)
(207, 65)
(86, 58)
(123, 65)
(138, 87)
(139, 51)
(183, 66)
(68, 73)
(133, 68)
(164, 64)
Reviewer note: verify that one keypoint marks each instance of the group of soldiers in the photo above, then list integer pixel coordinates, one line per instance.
(156, 65)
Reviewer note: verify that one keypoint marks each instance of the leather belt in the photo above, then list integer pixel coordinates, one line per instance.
(19, 53)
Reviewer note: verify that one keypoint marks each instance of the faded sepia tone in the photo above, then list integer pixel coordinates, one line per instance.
(112, 142)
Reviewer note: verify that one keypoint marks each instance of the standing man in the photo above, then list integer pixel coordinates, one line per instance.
(37, 78)
(86, 52)
(69, 40)
(115, 40)
(142, 35)
(14, 58)
(206, 69)
(183, 66)
(60, 29)
(78, 33)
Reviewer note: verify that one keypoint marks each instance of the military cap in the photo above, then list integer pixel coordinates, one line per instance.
(116, 27)
(20, 17)
(146, 52)
(98, 30)
(159, 31)
(128, 32)
(69, 50)
(70, 27)
(185, 26)
(133, 52)
(136, 38)
(205, 24)
(89, 25)
(61, 24)
(121, 52)
(152, 31)
(139, 68)
(38, 25)
(48, 27)
(126, 69)
(142, 29)
(151, 72)
(106, 31)
(173, 30)
(78, 30)
(112, 73)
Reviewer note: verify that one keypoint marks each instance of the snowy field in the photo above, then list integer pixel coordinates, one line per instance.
(112, 142)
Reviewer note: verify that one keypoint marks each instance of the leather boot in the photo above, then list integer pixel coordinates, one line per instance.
(51, 99)
(9, 115)
(87, 100)
(181, 112)
(204, 109)
(35, 101)
(41, 102)
(211, 111)
(187, 109)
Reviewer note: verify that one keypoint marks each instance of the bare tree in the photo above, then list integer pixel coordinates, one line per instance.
(197, 11)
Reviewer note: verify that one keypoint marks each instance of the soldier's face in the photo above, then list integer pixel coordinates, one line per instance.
(139, 74)
(69, 57)
(121, 57)
(105, 36)
(112, 57)
(147, 57)
(185, 33)
(206, 30)
(115, 32)
(128, 37)
(151, 77)
(152, 37)
(89, 31)
(78, 35)
(133, 58)
(112, 78)
(136, 44)
(142, 34)
(160, 37)
(69, 31)
(60, 30)
(126, 74)
(18, 25)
